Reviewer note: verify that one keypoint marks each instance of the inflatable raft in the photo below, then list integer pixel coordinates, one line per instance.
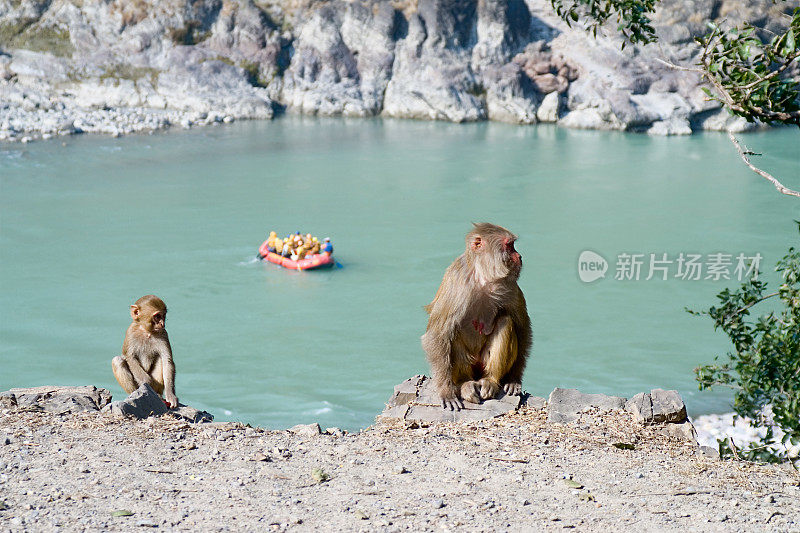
(307, 263)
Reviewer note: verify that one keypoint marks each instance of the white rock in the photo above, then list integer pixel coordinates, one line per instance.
(671, 126)
(550, 107)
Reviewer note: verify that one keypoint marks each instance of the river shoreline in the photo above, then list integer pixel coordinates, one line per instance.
(70, 67)
(512, 473)
(714, 427)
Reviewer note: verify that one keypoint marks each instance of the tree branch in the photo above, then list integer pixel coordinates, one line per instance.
(730, 103)
(788, 61)
(679, 67)
(739, 311)
(770, 116)
(766, 175)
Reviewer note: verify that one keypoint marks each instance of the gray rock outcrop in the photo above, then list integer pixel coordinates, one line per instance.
(117, 67)
(416, 400)
(141, 403)
(682, 430)
(566, 405)
(657, 406)
(663, 407)
(306, 430)
(144, 402)
(190, 414)
(59, 400)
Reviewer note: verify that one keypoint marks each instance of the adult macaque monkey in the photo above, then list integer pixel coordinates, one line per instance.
(479, 332)
(146, 353)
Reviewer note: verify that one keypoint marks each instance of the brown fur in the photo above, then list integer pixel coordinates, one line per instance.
(479, 333)
(146, 352)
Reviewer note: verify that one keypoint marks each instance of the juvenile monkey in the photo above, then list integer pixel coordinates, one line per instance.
(146, 353)
(479, 333)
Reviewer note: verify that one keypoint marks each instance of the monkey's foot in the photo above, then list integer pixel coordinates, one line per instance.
(489, 388)
(470, 392)
(513, 389)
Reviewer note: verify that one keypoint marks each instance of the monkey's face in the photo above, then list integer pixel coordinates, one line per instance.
(152, 319)
(490, 248)
(495, 257)
(149, 313)
(158, 321)
(511, 257)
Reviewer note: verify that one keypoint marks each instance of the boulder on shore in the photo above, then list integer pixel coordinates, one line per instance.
(416, 400)
(565, 405)
(657, 406)
(144, 402)
(56, 399)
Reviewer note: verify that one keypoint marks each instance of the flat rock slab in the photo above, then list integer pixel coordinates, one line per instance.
(565, 405)
(534, 402)
(56, 399)
(416, 400)
(306, 430)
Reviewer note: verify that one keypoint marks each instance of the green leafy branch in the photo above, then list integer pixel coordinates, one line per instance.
(764, 368)
(748, 74)
(751, 79)
(631, 16)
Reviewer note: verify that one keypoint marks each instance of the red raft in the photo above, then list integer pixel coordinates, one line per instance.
(307, 263)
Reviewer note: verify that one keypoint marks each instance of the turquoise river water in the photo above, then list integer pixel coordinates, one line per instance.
(89, 224)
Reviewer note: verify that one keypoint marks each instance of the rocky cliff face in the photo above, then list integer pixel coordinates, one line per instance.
(126, 65)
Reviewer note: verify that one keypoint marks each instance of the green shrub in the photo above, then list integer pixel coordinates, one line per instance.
(28, 35)
(764, 368)
(253, 73)
(746, 72)
(123, 71)
(190, 33)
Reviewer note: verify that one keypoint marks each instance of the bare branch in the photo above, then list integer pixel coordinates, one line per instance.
(728, 100)
(778, 185)
(679, 67)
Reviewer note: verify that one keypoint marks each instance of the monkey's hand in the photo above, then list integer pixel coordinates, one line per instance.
(453, 404)
(451, 401)
(513, 389)
(171, 400)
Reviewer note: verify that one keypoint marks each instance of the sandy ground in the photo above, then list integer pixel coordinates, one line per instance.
(514, 473)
